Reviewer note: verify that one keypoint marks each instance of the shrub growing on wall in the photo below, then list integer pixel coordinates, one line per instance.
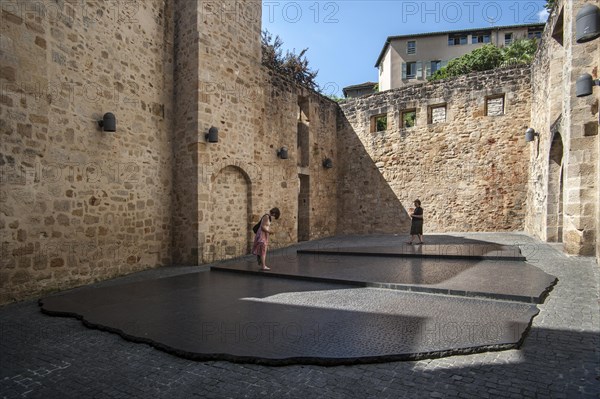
(295, 66)
(489, 57)
(481, 59)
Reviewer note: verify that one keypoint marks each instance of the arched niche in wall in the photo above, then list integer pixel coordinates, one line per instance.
(229, 215)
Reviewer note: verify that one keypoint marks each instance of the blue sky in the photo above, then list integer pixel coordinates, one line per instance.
(345, 38)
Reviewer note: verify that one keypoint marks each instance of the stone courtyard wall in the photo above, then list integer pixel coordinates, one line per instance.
(77, 204)
(80, 205)
(222, 189)
(563, 198)
(470, 170)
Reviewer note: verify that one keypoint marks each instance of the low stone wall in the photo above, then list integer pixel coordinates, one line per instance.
(465, 157)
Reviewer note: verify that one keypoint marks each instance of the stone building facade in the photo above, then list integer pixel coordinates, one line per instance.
(563, 197)
(78, 204)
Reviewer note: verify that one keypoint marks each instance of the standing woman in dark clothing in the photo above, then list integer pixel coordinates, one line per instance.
(416, 226)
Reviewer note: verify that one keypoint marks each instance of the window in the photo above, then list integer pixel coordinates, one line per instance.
(435, 66)
(379, 123)
(482, 38)
(494, 105)
(409, 118)
(411, 48)
(437, 114)
(535, 34)
(508, 38)
(457, 40)
(411, 70)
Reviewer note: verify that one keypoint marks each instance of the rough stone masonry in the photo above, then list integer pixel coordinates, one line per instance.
(78, 204)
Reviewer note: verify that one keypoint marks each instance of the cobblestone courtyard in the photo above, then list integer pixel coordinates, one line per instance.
(52, 357)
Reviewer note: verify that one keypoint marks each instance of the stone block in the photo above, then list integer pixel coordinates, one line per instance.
(62, 205)
(20, 277)
(41, 42)
(8, 74)
(63, 220)
(12, 18)
(89, 219)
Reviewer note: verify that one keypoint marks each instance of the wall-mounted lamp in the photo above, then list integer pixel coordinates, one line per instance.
(213, 135)
(530, 135)
(108, 122)
(588, 23)
(282, 153)
(585, 85)
(328, 163)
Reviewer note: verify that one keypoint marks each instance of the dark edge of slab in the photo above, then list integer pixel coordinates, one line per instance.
(400, 287)
(547, 291)
(271, 273)
(410, 255)
(328, 362)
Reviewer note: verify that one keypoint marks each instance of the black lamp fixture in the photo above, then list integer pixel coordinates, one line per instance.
(588, 23)
(530, 135)
(328, 163)
(213, 135)
(585, 85)
(282, 153)
(108, 122)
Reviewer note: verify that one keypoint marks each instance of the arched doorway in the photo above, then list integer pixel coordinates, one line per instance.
(229, 232)
(554, 222)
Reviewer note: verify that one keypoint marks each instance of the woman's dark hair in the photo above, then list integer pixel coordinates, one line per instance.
(418, 202)
(275, 212)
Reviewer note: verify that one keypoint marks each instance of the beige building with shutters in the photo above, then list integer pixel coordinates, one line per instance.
(410, 59)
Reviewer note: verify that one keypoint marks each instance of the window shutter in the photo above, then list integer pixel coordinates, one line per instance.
(404, 71)
(428, 70)
(419, 70)
(444, 63)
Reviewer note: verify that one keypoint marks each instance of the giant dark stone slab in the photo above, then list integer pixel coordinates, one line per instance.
(442, 251)
(250, 318)
(320, 307)
(496, 279)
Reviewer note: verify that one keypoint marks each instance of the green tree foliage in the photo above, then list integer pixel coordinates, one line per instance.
(295, 66)
(489, 57)
(519, 52)
(409, 119)
(550, 4)
(381, 123)
(481, 59)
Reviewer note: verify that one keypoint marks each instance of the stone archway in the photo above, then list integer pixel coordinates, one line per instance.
(554, 221)
(231, 204)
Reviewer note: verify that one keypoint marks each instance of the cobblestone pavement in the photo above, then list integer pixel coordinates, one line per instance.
(52, 357)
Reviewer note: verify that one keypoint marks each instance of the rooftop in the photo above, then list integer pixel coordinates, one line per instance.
(359, 86)
(414, 35)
